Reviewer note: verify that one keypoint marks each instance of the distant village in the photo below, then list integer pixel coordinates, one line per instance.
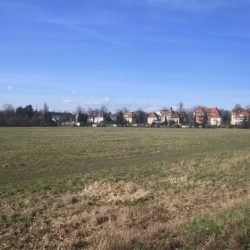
(200, 117)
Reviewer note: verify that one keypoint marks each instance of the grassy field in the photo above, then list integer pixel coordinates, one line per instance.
(124, 188)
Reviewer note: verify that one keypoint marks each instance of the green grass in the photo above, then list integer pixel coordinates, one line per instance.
(199, 180)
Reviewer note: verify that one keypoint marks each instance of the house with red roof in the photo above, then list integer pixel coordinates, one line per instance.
(212, 116)
(129, 117)
(237, 117)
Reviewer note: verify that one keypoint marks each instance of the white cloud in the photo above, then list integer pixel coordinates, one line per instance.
(10, 87)
(74, 92)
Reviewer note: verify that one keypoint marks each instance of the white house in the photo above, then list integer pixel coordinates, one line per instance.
(153, 117)
(163, 114)
(238, 117)
(129, 117)
(96, 119)
(168, 115)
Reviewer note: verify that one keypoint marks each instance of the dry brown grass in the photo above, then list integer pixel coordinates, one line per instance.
(125, 215)
(101, 216)
(118, 193)
(91, 218)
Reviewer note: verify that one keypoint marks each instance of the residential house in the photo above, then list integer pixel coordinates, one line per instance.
(152, 118)
(168, 116)
(174, 117)
(96, 118)
(62, 117)
(163, 115)
(129, 117)
(70, 122)
(199, 114)
(210, 116)
(237, 117)
(99, 118)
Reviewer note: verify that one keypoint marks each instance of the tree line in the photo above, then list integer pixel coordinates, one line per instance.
(28, 116)
(25, 116)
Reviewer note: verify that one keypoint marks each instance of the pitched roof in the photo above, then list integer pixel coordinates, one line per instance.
(211, 112)
(152, 115)
(242, 113)
(128, 114)
(165, 112)
(174, 115)
(199, 110)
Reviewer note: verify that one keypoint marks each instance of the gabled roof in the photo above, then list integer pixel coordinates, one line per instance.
(242, 113)
(164, 112)
(174, 115)
(153, 115)
(128, 114)
(199, 110)
(211, 112)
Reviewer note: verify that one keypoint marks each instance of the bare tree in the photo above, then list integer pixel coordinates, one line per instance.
(79, 110)
(237, 108)
(125, 109)
(191, 117)
(180, 107)
(103, 109)
(226, 116)
(93, 113)
(8, 108)
(45, 108)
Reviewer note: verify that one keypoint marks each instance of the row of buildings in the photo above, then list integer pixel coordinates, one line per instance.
(201, 116)
(161, 116)
(214, 117)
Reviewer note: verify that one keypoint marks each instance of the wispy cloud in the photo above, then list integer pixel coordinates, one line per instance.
(152, 106)
(91, 17)
(196, 4)
(21, 9)
(89, 102)
(84, 30)
(242, 35)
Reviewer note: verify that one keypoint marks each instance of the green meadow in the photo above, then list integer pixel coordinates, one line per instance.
(124, 188)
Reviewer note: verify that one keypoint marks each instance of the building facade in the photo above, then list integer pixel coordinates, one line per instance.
(208, 116)
(237, 117)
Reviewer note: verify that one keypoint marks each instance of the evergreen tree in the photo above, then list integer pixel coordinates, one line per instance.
(205, 120)
(226, 117)
(141, 117)
(245, 123)
(120, 120)
(82, 118)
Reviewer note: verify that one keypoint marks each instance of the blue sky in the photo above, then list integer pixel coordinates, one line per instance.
(124, 53)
